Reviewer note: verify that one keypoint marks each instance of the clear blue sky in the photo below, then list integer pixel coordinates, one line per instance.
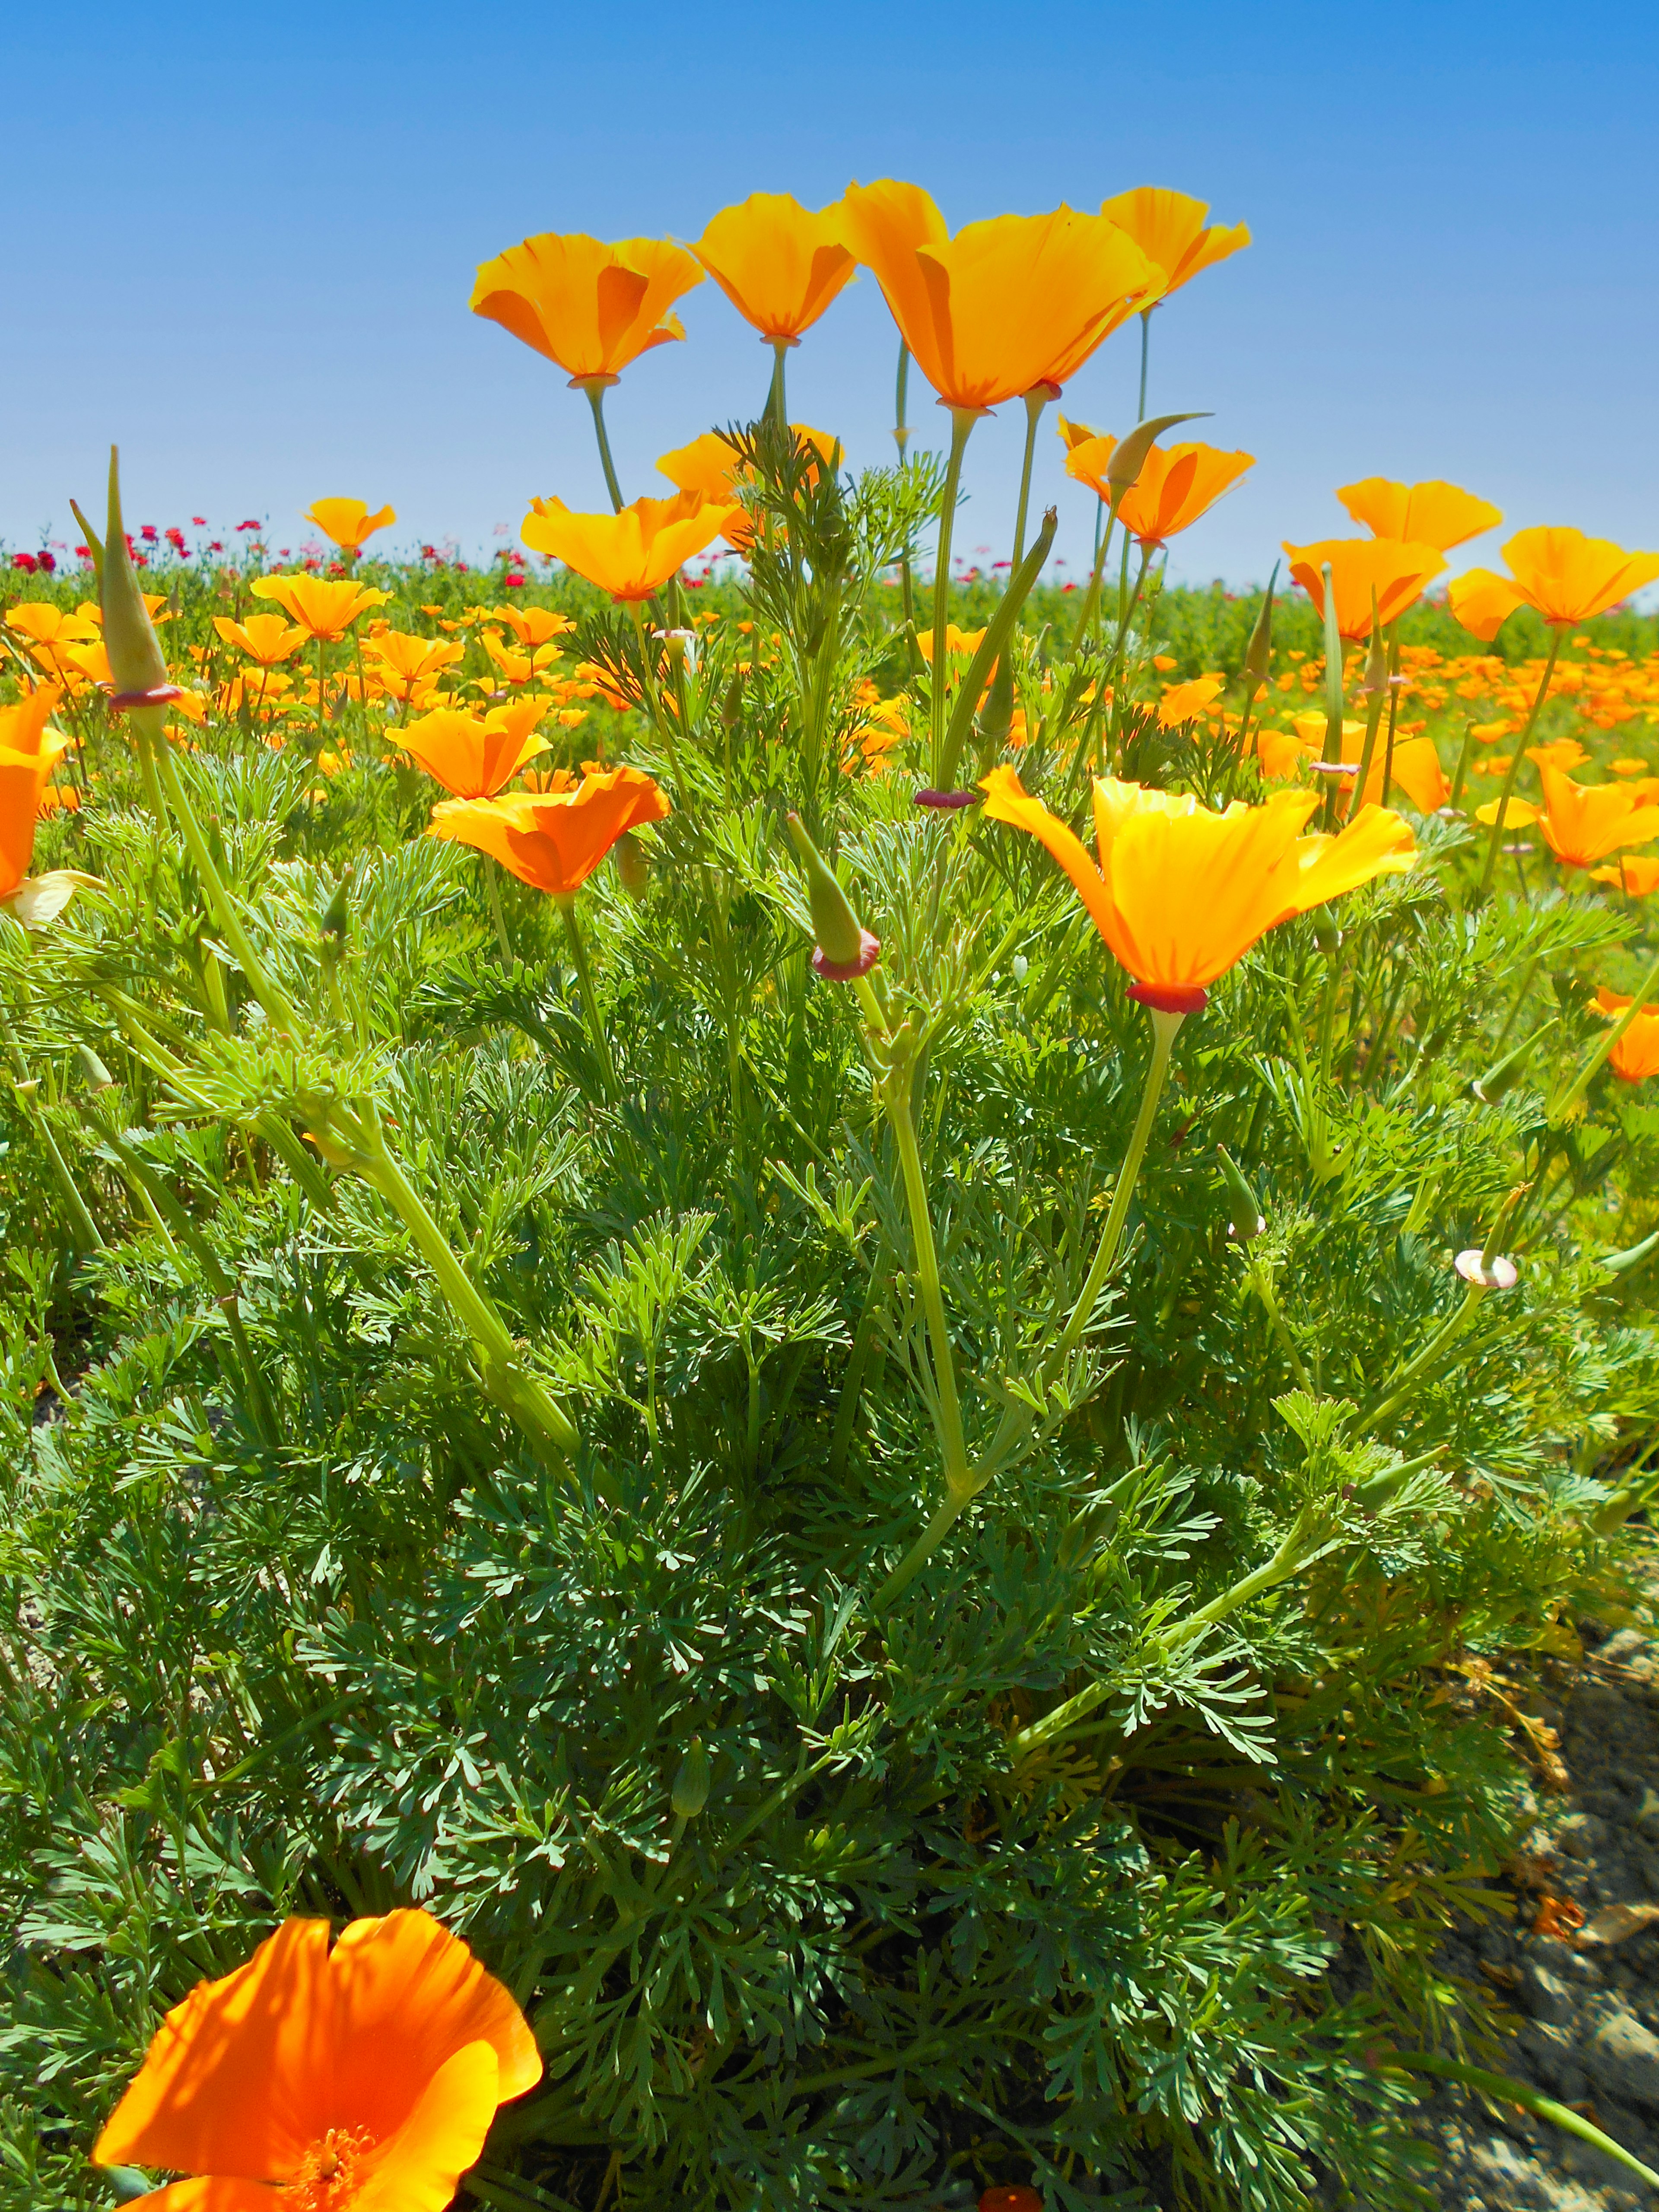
(241, 242)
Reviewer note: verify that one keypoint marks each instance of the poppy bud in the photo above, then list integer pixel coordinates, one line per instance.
(1376, 661)
(1327, 936)
(136, 662)
(98, 1076)
(845, 949)
(690, 1791)
(1249, 1221)
(633, 865)
(337, 918)
(1259, 652)
(1129, 454)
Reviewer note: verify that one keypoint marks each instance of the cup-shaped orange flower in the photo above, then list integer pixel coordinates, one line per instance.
(324, 609)
(266, 639)
(1636, 1054)
(1171, 231)
(1565, 576)
(590, 308)
(778, 263)
(1182, 893)
(554, 840)
(1430, 514)
(1637, 873)
(710, 466)
(475, 755)
(1582, 822)
(633, 553)
(29, 752)
(348, 522)
(364, 2077)
(1393, 571)
(1005, 306)
(1175, 485)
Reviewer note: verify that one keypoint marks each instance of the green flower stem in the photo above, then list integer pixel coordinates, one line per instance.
(84, 1230)
(1334, 703)
(777, 404)
(493, 893)
(1515, 759)
(1035, 400)
(1373, 723)
(1507, 2091)
(660, 721)
(1400, 1388)
(1092, 597)
(1146, 349)
(589, 1001)
(1462, 769)
(277, 1009)
(962, 420)
(594, 386)
(145, 746)
(1562, 1108)
(901, 429)
(505, 1373)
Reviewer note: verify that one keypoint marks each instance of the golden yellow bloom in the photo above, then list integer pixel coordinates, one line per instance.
(1186, 702)
(1174, 487)
(589, 307)
(347, 521)
(1583, 822)
(1005, 306)
(554, 840)
(266, 639)
(472, 755)
(1430, 514)
(1171, 230)
(1636, 1055)
(777, 263)
(1182, 893)
(632, 554)
(28, 753)
(710, 466)
(1564, 575)
(1514, 813)
(532, 626)
(1631, 871)
(324, 610)
(1396, 572)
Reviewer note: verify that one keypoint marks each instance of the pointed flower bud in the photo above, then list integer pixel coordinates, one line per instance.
(136, 662)
(690, 1791)
(845, 950)
(1259, 652)
(1129, 454)
(633, 865)
(1249, 1221)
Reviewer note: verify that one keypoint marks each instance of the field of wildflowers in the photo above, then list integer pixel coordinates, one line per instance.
(801, 1347)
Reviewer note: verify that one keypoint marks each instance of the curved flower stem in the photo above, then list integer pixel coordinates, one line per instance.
(660, 717)
(962, 420)
(493, 891)
(595, 388)
(1035, 400)
(1092, 597)
(590, 1001)
(1561, 1109)
(1400, 1388)
(1515, 759)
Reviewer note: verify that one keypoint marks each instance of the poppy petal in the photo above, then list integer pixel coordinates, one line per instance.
(417, 2169)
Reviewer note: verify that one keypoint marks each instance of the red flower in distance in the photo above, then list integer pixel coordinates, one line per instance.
(250, 526)
(149, 532)
(26, 562)
(198, 522)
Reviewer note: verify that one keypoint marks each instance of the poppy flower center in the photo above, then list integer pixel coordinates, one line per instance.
(328, 2177)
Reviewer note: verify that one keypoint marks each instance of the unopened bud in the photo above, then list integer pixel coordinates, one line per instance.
(845, 948)
(633, 865)
(1327, 936)
(690, 1791)
(336, 916)
(98, 1076)
(1259, 652)
(1129, 454)
(135, 664)
(1249, 1221)
(1377, 660)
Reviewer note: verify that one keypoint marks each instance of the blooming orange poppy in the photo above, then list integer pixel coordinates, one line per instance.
(475, 754)
(778, 263)
(1430, 513)
(1169, 229)
(532, 626)
(1564, 575)
(710, 466)
(1005, 306)
(1636, 1055)
(1176, 484)
(266, 639)
(1396, 572)
(589, 307)
(365, 2076)
(324, 610)
(1631, 871)
(1583, 822)
(347, 521)
(633, 553)
(28, 753)
(554, 840)
(406, 666)
(1182, 893)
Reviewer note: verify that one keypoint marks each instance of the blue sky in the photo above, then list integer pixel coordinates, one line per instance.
(241, 242)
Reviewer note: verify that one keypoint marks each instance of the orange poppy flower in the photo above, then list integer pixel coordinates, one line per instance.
(1169, 229)
(1182, 893)
(589, 307)
(324, 611)
(709, 465)
(1636, 1055)
(1583, 822)
(777, 263)
(266, 639)
(403, 665)
(1395, 571)
(1564, 575)
(1175, 485)
(1003, 307)
(365, 2076)
(28, 753)
(633, 553)
(1632, 872)
(532, 626)
(347, 521)
(554, 840)
(1431, 514)
(475, 754)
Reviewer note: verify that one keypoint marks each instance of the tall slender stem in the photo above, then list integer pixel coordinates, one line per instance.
(777, 404)
(1515, 759)
(1035, 400)
(1146, 344)
(1560, 1109)
(962, 420)
(901, 429)
(493, 892)
(594, 386)
(589, 1001)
